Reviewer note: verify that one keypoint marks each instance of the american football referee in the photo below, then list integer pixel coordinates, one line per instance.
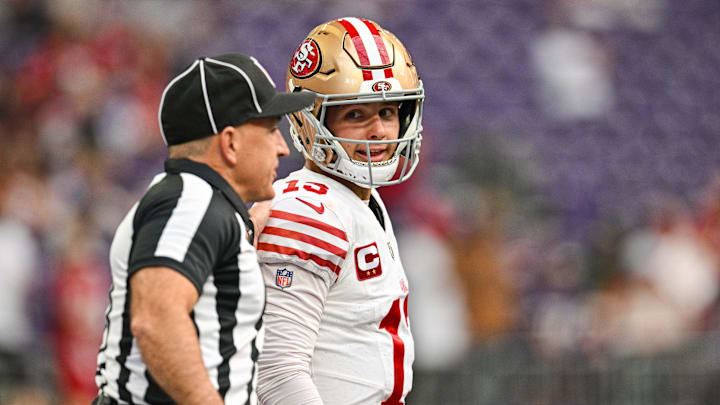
(184, 320)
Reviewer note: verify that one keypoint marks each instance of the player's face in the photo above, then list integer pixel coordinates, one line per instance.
(368, 121)
(262, 145)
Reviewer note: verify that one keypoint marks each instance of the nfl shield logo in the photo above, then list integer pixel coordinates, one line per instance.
(283, 278)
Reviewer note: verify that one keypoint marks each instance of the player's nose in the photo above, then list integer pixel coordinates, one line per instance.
(377, 128)
(281, 145)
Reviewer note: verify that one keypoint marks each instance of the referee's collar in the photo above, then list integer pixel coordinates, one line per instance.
(205, 172)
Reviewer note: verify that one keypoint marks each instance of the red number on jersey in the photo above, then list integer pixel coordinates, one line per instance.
(317, 188)
(291, 186)
(390, 323)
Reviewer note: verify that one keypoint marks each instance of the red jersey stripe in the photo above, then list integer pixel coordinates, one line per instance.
(286, 233)
(269, 247)
(300, 219)
(388, 73)
(367, 75)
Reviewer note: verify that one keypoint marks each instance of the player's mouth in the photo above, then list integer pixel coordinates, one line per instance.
(376, 154)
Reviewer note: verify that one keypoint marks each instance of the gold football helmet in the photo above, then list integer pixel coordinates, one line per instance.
(351, 61)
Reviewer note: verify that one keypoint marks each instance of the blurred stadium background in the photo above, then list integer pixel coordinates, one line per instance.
(562, 234)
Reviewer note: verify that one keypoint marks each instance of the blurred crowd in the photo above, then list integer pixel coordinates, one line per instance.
(568, 198)
(79, 137)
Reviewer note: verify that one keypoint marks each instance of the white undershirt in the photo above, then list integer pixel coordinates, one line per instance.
(292, 320)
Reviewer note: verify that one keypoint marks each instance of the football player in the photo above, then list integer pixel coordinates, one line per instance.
(337, 327)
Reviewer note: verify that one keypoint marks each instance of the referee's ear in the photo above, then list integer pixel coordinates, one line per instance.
(229, 145)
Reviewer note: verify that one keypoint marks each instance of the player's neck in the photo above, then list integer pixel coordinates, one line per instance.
(362, 192)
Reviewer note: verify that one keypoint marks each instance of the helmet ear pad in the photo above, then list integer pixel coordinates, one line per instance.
(304, 136)
(298, 131)
(406, 112)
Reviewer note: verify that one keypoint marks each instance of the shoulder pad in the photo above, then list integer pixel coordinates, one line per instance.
(301, 230)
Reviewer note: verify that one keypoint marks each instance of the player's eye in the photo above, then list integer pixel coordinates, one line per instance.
(388, 112)
(353, 114)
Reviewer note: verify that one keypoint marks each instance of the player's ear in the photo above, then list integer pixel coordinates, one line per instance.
(229, 145)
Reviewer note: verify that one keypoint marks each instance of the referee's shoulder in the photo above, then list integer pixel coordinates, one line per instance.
(184, 190)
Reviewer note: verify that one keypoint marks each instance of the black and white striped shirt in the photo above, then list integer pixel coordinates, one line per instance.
(189, 220)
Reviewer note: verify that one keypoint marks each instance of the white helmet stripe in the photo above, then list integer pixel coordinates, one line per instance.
(368, 41)
(370, 47)
(378, 41)
(378, 74)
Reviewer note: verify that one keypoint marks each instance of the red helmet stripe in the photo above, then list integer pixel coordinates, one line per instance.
(380, 46)
(365, 47)
(357, 41)
(378, 41)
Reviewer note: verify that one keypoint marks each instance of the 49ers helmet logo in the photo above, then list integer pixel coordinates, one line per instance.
(381, 86)
(307, 59)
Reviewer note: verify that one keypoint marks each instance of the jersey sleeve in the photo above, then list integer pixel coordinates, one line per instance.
(304, 232)
(181, 231)
(292, 319)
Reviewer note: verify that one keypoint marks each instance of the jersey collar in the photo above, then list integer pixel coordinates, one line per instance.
(175, 166)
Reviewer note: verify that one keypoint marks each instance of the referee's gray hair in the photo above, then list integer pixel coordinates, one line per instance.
(189, 149)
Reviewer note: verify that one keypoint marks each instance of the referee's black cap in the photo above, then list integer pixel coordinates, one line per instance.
(215, 92)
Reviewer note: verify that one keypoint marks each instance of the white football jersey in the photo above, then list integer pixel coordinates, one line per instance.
(364, 349)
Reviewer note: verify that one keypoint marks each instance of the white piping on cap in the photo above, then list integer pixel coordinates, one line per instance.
(207, 99)
(244, 75)
(257, 63)
(162, 99)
